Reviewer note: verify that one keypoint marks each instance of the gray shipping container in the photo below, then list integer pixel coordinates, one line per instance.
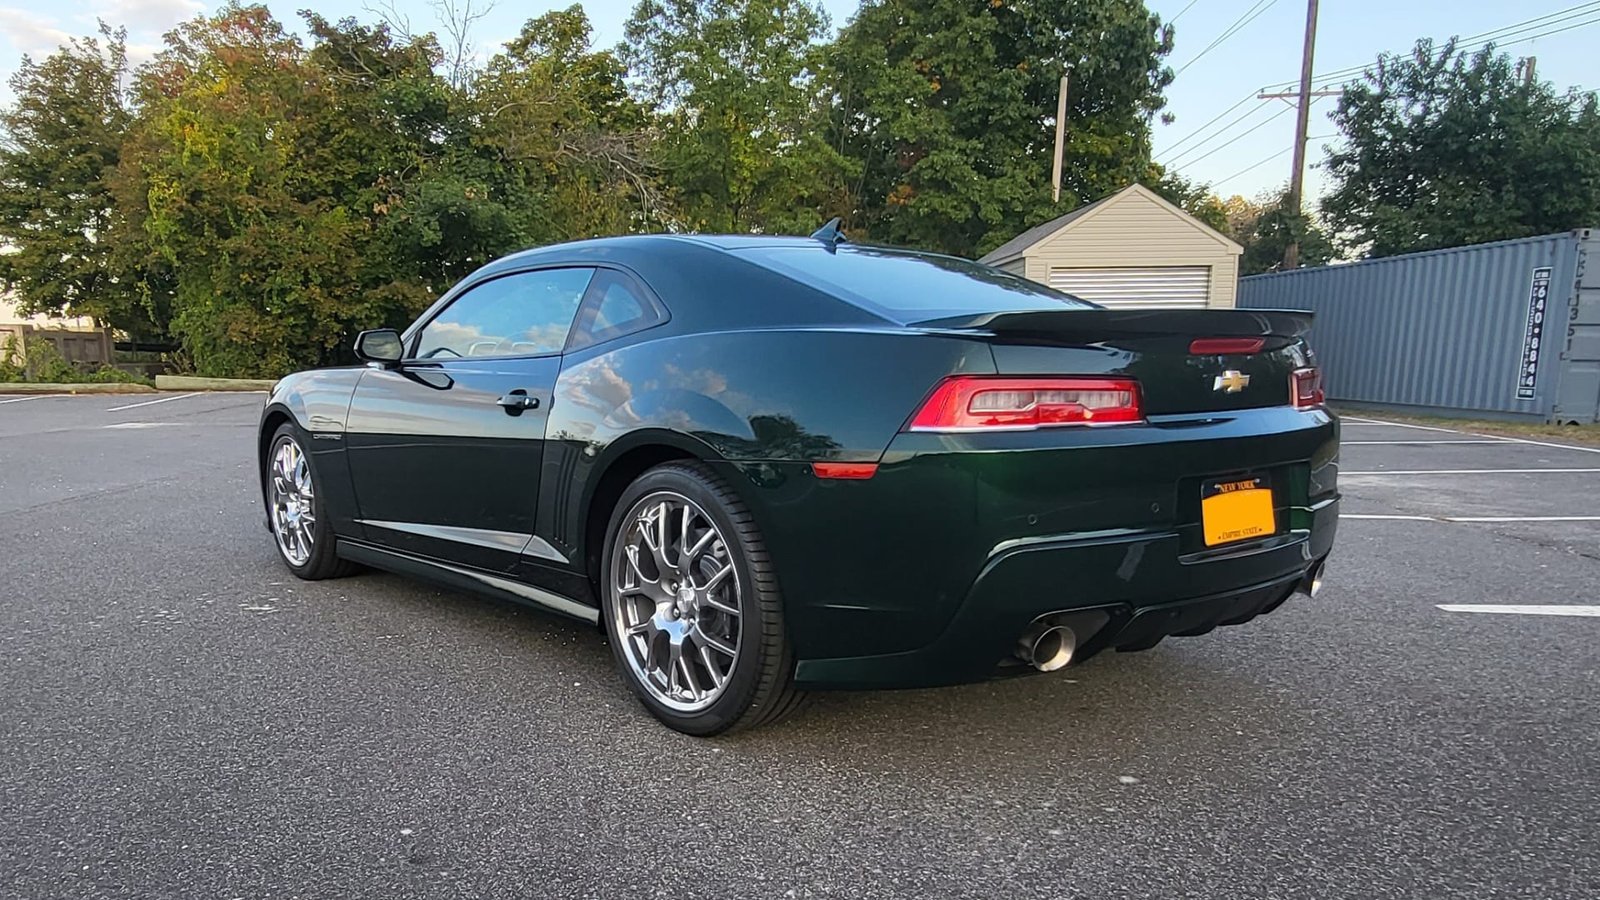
(1503, 330)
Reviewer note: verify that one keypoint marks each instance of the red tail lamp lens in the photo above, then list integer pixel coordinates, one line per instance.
(1305, 386)
(1226, 346)
(968, 403)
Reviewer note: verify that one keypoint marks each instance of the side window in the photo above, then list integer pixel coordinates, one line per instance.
(523, 314)
(616, 306)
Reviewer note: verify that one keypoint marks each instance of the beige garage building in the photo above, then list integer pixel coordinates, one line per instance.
(1130, 249)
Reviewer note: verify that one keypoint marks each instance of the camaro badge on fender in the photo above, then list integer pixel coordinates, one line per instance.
(1230, 382)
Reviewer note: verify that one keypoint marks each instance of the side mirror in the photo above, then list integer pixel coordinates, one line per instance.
(380, 345)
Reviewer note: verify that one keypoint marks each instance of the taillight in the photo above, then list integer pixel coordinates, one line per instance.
(1305, 386)
(968, 403)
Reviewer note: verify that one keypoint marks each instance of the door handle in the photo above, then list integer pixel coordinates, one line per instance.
(517, 401)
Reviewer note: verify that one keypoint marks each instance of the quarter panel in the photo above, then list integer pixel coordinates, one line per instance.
(752, 397)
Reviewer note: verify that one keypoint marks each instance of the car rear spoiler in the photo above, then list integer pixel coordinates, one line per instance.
(1106, 324)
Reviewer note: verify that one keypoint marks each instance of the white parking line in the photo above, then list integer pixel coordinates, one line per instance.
(1406, 443)
(1513, 440)
(1522, 610)
(1525, 518)
(1467, 472)
(152, 402)
(1554, 446)
(1399, 425)
(32, 397)
(1479, 519)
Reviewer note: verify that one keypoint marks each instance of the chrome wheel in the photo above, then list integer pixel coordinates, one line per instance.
(675, 601)
(294, 509)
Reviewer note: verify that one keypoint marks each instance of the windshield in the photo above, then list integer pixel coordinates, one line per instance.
(911, 287)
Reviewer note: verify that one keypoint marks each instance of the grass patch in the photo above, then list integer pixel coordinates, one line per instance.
(1587, 435)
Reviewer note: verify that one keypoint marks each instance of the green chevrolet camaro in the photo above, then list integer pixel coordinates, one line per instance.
(766, 465)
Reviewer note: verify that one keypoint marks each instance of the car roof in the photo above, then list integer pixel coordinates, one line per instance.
(901, 301)
(729, 242)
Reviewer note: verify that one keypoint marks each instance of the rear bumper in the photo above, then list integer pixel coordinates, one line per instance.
(1129, 577)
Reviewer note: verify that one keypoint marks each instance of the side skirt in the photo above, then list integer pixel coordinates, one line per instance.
(465, 579)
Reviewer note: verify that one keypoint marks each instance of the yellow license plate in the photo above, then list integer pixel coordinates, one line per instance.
(1236, 510)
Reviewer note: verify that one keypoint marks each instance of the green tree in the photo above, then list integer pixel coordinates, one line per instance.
(391, 142)
(1265, 228)
(735, 84)
(558, 114)
(1192, 197)
(947, 107)
(63, 137)
(1443, 149)
(257, 172)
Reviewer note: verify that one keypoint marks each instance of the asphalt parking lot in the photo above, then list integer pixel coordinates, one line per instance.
(180, 718)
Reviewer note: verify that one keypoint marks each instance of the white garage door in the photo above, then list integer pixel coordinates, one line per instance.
(1160, 286)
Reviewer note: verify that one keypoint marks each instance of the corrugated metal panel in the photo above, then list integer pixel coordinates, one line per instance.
(1578, 394)
(1155, 286)
(1442, 330)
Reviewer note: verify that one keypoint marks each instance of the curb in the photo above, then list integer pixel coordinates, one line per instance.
(112, 387)
(195, 383)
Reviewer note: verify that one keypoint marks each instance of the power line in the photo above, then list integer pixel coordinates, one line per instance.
(1250, 168)
(1174, 19)
(1477, 41)
(1173, 156)
(1191, 135)
(1467, 43)
(1240, 136)
(1584, 7)
(1249, 16)
(1559, 17)
(1493, 35)
(1256, 165)
(1546, 34)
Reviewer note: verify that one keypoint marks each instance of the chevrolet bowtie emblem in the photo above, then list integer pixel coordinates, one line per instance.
(1231, 382)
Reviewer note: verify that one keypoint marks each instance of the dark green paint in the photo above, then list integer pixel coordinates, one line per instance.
(923, 574)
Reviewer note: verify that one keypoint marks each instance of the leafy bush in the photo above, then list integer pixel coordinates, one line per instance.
(11, 368)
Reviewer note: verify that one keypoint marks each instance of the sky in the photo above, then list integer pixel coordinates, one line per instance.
(1245, 151)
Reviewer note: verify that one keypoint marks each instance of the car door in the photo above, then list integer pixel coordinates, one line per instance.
(445, 447)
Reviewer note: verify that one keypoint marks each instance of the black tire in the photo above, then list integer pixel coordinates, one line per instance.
(759, 687)
(323, 560)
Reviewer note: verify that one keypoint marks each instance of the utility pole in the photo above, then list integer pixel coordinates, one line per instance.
(1061, 133)
(1528, 64)
(1291, 254)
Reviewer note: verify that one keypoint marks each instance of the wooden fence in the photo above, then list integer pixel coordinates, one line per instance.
(85, 349)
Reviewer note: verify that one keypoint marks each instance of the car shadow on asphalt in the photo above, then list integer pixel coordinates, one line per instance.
(1157, 701)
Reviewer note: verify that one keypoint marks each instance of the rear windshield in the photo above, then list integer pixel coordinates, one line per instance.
(911, 287)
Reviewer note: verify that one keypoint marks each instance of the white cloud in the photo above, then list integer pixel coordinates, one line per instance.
(139, 54)
(30, 33)
(39, 34)
(156, 16)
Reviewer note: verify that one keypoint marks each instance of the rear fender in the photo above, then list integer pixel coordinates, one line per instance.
(760, 405)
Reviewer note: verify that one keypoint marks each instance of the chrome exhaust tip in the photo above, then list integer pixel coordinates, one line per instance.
(1312, 583)
(1047, 647)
